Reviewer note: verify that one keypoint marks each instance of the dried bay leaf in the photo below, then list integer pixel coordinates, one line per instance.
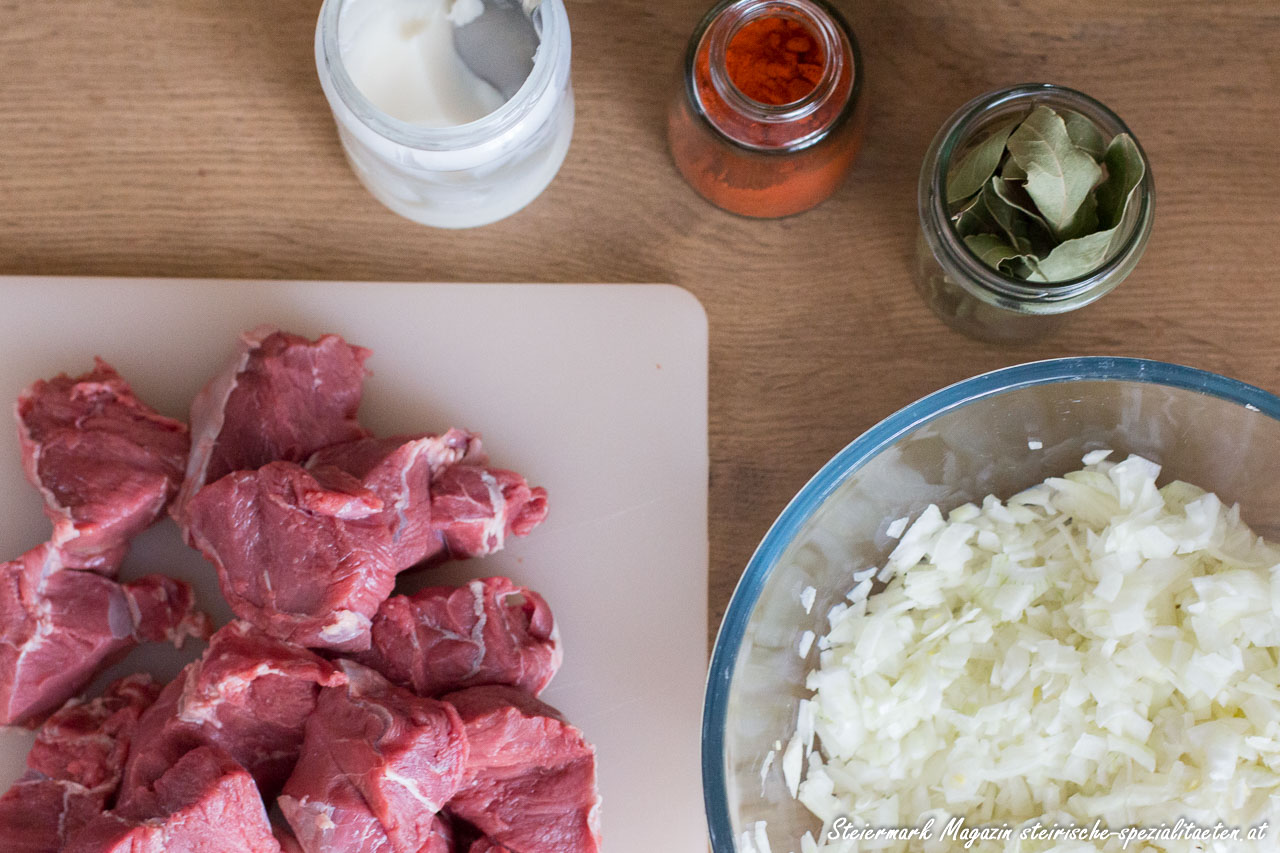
(1075, 258)
(1008, 202)
(1059, 174)
(990, 249)
(1084, 222)
(968, 176)
(973, 218)
(1011, 171)
(1006, 217)
(1015, 197)
(1026, 267)
(1125, 171)
(1085, 134)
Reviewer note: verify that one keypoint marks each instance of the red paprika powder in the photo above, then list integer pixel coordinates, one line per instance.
(774, 60)
(769, 119)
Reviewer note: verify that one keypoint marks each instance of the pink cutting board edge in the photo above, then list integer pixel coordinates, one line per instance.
(598, 392)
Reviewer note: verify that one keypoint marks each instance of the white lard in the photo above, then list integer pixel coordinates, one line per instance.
(401, 56)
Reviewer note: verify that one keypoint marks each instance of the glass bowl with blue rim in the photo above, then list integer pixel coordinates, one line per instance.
(997, 433)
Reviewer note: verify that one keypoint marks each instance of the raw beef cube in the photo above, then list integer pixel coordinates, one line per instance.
(439, 838)
(59, 627)
(399, 471)
(475, 509)
(249, 695)
(487, 845)
(289, 844)
(377, 765)
(106, 463)
(39, 815)
(88, 742)
(281, 398)
(531, 777)
(207, 803)
(446, 638)
(304, 557)
(74, 768)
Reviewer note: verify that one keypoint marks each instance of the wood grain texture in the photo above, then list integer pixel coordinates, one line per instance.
(190, 138)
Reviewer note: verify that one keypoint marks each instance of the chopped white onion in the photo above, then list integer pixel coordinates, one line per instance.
(1095, 648)
(807, 596)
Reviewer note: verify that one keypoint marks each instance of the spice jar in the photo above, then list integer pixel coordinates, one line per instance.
(971, 296)
(459, 176)
(769, 118)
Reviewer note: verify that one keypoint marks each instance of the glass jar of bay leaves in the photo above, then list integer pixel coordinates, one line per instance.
(1025, 296)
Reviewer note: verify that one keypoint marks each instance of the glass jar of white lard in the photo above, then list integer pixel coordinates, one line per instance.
(424, 134)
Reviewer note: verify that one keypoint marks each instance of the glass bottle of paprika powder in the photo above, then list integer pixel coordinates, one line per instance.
(770, 115)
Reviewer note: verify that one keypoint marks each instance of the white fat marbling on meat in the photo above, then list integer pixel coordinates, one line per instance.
(200, 706)
(402, 500)
(62, 813)
(346, 625)
(496, 525)
(44, 615)
(412, 787)
(208, 412)
(477, 631)
(449, 449)
(135, 612)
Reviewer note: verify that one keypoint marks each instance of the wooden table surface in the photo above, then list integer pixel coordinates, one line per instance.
(190, 138)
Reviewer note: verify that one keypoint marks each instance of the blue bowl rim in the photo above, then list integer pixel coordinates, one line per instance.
(856, 454)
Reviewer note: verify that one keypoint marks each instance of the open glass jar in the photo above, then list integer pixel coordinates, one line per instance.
(466, 175)
(978, 300)
(750, 143)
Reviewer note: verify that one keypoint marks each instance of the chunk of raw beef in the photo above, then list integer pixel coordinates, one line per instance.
(281, 398)
(440, 838)
(400, 470)
(74, 768)
(289, 844)
(530, 783)
(377, 765)
(88, 742)
(59, 627)
(476, 508)
(305, 557)
(249, 694)
(206, 803)
(39, 815)
(486, 845)
(445, 638)
(106, 463)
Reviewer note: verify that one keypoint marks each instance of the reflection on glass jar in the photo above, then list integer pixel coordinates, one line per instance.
(977, 299)
(449, 175)
(769, 116)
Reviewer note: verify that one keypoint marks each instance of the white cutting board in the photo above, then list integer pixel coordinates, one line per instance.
(597, 392)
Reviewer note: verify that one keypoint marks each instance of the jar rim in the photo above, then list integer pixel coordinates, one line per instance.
(550, 64)
(824, 19)
(1055, 296)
